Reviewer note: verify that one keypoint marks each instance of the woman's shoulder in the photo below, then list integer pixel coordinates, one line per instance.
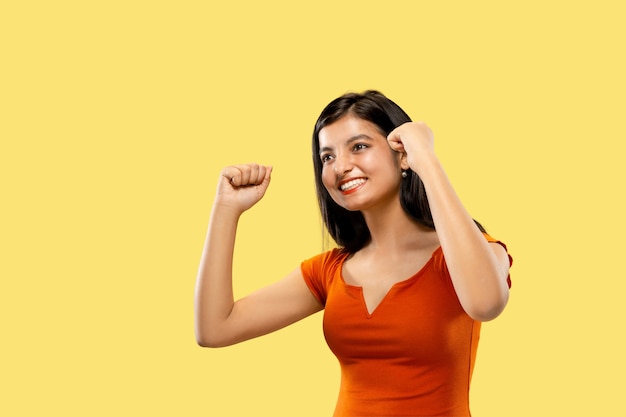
(328, 259)
(321, 270)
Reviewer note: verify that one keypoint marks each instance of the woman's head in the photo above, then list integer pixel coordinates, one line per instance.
(348, 228)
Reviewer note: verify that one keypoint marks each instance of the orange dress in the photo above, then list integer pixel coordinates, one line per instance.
(412, 356)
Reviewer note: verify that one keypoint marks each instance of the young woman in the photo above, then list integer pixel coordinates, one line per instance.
(409, 284)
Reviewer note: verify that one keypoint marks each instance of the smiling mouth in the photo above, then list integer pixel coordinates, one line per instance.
(352, 184)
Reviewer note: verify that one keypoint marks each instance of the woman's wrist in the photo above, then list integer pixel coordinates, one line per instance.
(225, 211)
(427, 167)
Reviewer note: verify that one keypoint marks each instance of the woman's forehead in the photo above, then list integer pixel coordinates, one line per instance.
(346, 129)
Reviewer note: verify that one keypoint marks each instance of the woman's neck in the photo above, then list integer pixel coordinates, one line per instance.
(393, 230)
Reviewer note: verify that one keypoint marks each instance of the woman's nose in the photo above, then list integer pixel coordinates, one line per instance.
(343, 164)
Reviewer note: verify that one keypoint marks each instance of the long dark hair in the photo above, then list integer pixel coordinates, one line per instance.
(348, 228)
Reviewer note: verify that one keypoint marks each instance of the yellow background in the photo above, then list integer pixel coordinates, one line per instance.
(117, 116)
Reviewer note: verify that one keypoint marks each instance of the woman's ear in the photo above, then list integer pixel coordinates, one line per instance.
(404, 164)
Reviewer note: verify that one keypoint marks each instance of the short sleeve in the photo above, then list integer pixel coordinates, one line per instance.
(319, 270)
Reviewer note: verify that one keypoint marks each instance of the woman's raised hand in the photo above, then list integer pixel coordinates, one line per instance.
(242, 186)
(415, 140)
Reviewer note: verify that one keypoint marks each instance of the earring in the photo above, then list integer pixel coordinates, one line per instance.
(404, 174)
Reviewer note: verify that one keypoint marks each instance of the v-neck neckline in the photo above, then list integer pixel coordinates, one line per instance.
(370, 313)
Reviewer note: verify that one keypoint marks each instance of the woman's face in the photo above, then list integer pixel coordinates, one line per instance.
(359, 169)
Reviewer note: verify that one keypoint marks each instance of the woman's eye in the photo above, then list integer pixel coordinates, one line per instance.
(325, 158)
(359, 146)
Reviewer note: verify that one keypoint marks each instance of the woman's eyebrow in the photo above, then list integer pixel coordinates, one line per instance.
(354, 138)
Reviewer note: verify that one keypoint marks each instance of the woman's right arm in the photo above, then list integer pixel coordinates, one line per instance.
(219, 320)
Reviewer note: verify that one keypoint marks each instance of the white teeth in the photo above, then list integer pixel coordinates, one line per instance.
(351, 184)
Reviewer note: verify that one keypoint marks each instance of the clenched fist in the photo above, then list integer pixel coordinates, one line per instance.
(242, 186)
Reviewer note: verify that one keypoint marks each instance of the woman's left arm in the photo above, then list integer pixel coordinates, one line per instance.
(478, 269)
